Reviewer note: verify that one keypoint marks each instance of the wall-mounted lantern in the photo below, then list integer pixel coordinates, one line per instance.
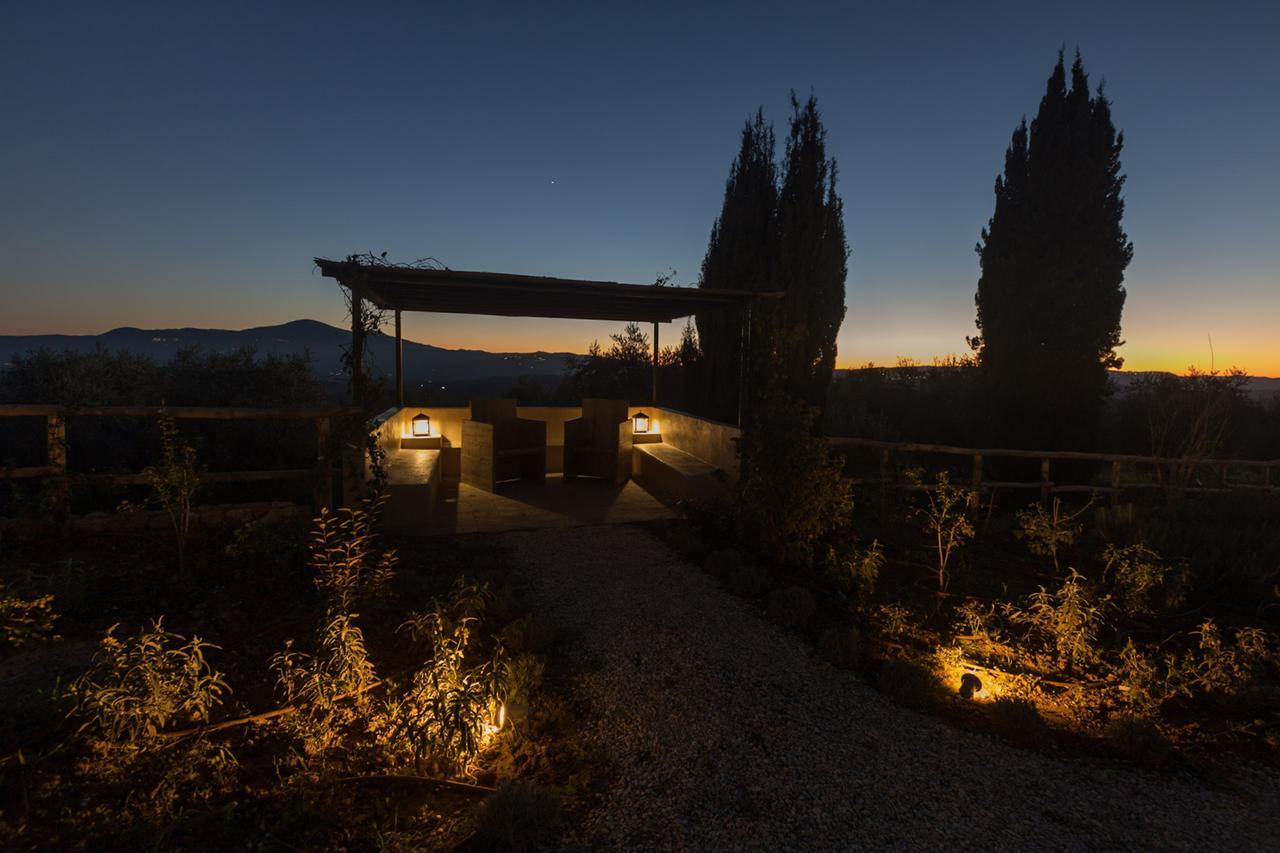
(421, 425)
(640, 423)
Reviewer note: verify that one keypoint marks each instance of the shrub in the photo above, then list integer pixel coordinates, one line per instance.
(1144, 688)
(792, 607)
(141, 685)
(522, 676)
(907, 683)
(841, 647)
(1229, 668)
(974, 620)
(174, 481)
(451, 708)
(1068, 620)
(943, 518)
(792, 492)
(1018, 716)
(25, 621)
(1046, 532)
(1141, 584)
(856, 571)
(893, 620)
(349, 565)
(518, 817)
(340, 668)
(1139, 740)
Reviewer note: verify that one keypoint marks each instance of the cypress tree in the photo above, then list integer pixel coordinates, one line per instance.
(1050, 294)
(737, 258)
(810, 260)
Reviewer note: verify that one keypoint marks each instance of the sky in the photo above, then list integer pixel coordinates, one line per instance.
(180, 164)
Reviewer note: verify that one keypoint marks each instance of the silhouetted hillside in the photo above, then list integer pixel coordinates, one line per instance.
(423, 363)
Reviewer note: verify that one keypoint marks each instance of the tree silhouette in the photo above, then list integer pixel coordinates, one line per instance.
(809, 261)
(1053, 256)
(738, 258)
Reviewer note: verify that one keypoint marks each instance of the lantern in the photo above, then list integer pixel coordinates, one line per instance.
(421, 425)
(640, 423)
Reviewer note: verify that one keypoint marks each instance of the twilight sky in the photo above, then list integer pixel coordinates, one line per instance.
(180, 164)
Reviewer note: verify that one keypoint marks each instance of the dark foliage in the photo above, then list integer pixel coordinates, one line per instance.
(1053, 257)
(809, 261)
(739, 256)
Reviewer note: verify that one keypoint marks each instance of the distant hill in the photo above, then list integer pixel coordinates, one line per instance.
(1258, 387)
(423, 363)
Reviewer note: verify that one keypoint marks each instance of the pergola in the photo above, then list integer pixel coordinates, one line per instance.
(444, 291)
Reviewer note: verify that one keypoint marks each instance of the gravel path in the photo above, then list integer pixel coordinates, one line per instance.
(730, 735)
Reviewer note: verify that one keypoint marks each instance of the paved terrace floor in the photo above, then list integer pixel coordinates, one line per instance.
(529, 506)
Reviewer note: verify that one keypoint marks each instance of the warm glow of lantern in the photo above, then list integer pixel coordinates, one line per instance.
(421, 424)
(640, 423)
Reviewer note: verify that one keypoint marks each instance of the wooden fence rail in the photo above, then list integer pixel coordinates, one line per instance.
(1185, 468)
(55, 467)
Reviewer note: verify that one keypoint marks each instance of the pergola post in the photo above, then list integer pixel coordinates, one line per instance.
(399, 362)
(653, 400)
(357, 348)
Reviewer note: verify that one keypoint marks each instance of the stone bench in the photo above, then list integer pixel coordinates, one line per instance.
(413, 484)
(665, 470)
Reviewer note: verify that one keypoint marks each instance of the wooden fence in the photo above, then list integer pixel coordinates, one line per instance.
(321, 474)
(1171, 474)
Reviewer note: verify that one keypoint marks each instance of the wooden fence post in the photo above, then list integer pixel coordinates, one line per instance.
(975, 501)
(1046, 485)
(323, 494)
(56, 442)
(1115, 482)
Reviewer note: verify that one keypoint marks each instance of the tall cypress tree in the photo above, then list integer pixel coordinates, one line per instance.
(1050, 294)
(738, 258)
(810, 261)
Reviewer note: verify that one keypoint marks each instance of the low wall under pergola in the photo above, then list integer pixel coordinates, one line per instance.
(444, 291)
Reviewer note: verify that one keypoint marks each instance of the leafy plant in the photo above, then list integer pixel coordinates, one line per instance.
(893, 620)
(25, 621)
(943, 518)
(349, 566)
(1226, 667)
(1137, 575)
(1069, 619)
(855, 570)
(1046, 532)
(141, 685)
(174, 480)
(453, 705)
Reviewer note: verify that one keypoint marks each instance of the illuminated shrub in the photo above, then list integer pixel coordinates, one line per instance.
(1140, 583)
(1226, 667)
(349, 565)
(24, 621)
(142, 685)
(1068, 620)
(943, 517)
(1048, 532)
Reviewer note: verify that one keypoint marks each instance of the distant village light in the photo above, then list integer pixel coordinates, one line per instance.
(421, 424)
(641, 422)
